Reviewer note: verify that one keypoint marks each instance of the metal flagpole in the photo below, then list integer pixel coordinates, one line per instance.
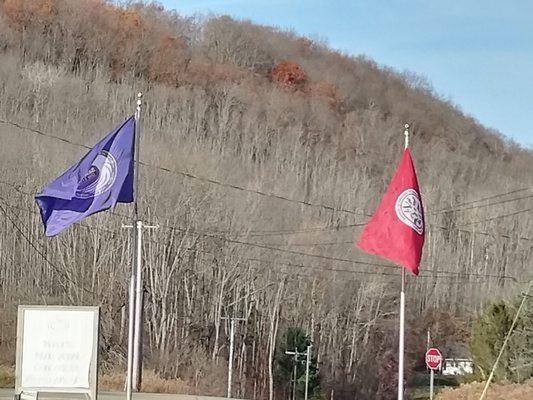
(401, 342)
(431, 383)
(135, 256)
(131, 313)
(139, 301)
(402, 309)
(431, 371)
(137, 331)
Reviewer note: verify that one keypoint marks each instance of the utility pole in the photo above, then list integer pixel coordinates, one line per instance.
(294, 374)
(307, 364)
(296, 353)
(231, 347)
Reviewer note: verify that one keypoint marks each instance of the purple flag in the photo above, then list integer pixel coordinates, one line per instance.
(103, 177)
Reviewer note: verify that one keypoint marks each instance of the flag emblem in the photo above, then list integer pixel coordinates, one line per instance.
(409, 210)
(100, 176)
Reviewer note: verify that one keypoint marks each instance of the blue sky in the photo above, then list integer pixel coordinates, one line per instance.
(476, 53)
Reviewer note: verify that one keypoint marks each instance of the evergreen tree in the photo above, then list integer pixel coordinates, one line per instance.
(295, 339)
(488, 334)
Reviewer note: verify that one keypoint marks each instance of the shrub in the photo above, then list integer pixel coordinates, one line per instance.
(488, 334)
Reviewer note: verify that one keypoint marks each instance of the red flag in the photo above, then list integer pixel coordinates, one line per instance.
(396, 230)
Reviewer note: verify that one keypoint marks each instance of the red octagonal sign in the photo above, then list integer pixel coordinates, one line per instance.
(433, 358)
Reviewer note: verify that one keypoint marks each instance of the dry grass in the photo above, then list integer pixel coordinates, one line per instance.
(152, 383)
(472, 391)
(7, 377)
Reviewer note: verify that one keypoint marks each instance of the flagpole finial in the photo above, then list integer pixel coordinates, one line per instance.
(406, 133)
(138, 108)
(139, 100)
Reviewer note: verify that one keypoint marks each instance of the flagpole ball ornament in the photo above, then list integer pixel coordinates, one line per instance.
(406, 133)
(433, 358)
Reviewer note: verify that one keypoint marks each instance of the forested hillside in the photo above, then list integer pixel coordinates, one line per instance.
(263, 154)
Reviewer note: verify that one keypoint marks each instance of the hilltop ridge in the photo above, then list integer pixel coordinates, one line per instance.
(264, 153)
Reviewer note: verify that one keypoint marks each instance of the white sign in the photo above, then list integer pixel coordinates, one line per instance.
(57, 349)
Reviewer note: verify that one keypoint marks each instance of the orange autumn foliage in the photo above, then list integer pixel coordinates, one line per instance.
(125, 40)
(289, 74)
(21, 12)
(131, 41)
(166, 61)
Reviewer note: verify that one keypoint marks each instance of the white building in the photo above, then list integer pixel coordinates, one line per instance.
(457, 366)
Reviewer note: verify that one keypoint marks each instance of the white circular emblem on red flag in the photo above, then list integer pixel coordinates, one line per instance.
(409, 210)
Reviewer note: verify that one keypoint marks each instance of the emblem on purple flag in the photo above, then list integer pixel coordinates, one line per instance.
(102, 178)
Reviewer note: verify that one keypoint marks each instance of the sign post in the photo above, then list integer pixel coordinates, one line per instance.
(433, 361)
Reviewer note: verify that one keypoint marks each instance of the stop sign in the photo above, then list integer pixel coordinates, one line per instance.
(433, 358)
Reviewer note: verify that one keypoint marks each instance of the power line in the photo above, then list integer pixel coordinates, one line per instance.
(204, 179)
(267, 246)
(282, 232)
(194, 249)
(38, 251)
(459, 276)
(392, 274)
(254, 233)
(78, 224)
(254, 191)
(419, 280)
(498, 217)
(447, 274)
(503, 235)
(308, 230)
(491, 197)
(319, 256)
(212, 181)
(313, 244)
(41, 133)
(484, 205)
(446, 280)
